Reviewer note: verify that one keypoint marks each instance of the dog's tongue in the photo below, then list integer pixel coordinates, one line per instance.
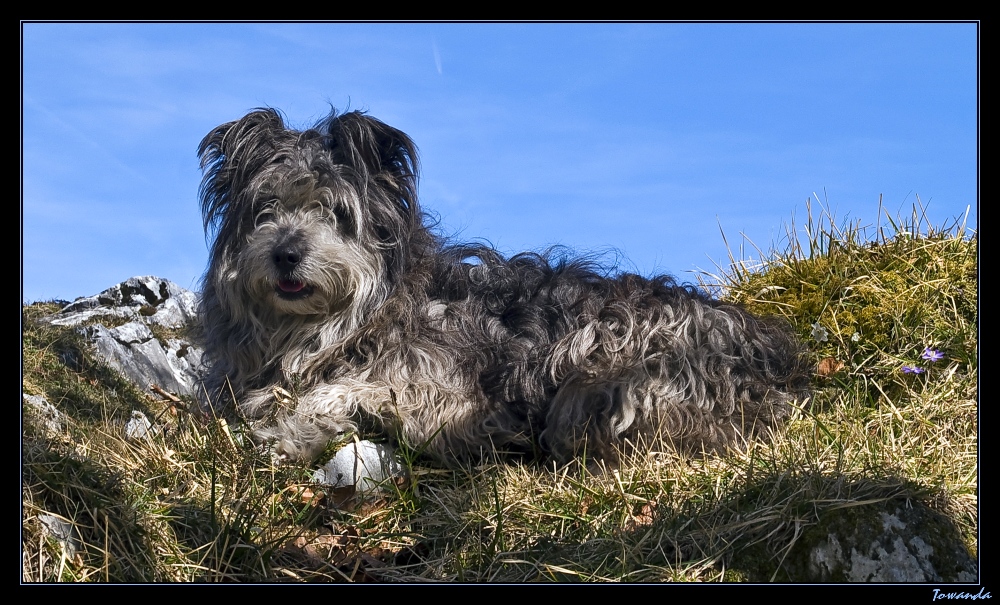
(290, 286)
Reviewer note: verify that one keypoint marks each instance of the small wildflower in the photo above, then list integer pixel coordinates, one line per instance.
(912, 370)
(819, 332)
(932, 355)
(855, 337)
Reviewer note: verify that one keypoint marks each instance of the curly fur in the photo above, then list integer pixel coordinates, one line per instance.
(328, 300)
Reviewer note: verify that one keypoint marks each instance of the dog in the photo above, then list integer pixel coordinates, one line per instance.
(330, 301)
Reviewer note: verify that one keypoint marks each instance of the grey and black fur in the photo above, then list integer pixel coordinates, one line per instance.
(329, 301)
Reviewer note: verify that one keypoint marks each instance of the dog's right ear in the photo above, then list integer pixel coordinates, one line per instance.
(231, 154)
(236, 140)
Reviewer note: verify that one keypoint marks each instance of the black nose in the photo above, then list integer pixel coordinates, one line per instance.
(286, 258)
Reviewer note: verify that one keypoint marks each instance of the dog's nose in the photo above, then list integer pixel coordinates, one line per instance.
(286, 258)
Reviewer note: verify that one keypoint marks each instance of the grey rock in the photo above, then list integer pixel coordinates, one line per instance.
(363, 464)
(134, 351)
(51, 418)
(152, 299)
(131, 347)
(62, 531)
(885, 542)
(139, 427)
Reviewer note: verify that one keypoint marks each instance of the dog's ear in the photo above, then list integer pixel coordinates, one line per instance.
(234, 141)
(377, 150)
(233, 152)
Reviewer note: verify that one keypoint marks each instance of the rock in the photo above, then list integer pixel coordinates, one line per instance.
(63, 533)
(363, 465)
(155, 300)
(133, 350)
(892, 541)
(51, 418)
(131, 347)
(139, 427)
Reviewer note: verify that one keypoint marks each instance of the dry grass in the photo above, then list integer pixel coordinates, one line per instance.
(198, 502)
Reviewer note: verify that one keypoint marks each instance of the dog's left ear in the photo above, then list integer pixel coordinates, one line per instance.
(377, 150)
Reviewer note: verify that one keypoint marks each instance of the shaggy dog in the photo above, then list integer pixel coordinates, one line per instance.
(329, 301)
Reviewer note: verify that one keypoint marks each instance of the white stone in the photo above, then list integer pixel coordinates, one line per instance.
(362, 464)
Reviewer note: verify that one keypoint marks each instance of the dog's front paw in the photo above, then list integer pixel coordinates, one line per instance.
(300, 439)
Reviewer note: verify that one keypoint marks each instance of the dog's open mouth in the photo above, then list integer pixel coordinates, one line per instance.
(290, 289)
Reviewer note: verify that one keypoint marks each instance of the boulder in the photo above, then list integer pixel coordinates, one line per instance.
(139, 328)
(890, 541)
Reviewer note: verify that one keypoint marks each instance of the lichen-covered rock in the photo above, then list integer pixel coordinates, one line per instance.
(892, 541)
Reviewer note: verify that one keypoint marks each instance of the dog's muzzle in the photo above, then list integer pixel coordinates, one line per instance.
(290, 289)
(286, 260)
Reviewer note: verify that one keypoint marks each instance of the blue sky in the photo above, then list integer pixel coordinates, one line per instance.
(640, 138)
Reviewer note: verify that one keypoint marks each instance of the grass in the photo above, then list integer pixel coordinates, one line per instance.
(198, 502)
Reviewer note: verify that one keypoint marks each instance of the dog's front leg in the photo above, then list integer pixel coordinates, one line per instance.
(258, 403)
(308, 424)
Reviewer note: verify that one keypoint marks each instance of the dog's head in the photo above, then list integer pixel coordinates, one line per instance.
(307, 222)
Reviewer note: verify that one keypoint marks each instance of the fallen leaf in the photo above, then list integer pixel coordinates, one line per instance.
(829, 366)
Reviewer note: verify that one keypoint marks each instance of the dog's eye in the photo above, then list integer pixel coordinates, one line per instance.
(266, 212)
(344, 220)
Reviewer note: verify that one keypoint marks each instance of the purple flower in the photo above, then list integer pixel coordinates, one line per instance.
(912, 370)
(932, 355)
